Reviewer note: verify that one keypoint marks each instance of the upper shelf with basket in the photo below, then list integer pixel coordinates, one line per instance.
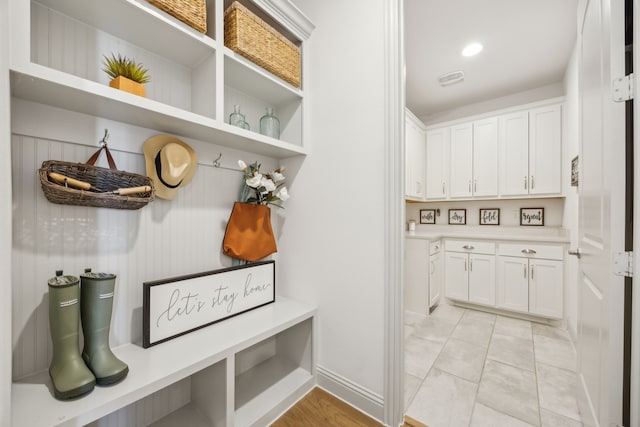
(58, 59)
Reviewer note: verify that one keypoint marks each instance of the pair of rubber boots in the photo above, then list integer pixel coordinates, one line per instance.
(72, 374)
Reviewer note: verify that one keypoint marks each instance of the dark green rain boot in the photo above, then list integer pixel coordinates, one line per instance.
(95, 306)
(68, 372)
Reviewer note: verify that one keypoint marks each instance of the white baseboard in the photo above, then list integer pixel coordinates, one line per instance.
(355, 395)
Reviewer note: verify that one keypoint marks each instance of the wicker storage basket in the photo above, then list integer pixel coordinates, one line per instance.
(103, 179)
(251, 37)
(191, 12)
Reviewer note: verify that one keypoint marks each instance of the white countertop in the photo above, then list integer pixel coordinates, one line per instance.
(528, 234)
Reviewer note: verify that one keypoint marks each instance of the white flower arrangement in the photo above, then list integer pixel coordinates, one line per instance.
(262, 189)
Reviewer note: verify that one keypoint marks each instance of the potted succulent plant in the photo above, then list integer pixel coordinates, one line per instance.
(126, 74)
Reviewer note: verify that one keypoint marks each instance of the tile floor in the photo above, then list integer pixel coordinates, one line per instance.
(470, 368)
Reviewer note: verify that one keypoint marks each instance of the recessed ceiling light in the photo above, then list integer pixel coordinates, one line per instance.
(472, 49)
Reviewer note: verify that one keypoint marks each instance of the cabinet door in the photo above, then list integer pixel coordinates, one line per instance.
(545, 150)
(513, 283)
(461, 164)
(416, 276)
(435, 278)
(514, 154)
(482, 282)
(546, 288)
(485, 158)
(437, 161)
(456, 276)
(414, 160)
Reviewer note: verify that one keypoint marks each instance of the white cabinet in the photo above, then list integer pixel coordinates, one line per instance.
(485, 158)
(437, 163)
(530, 279)
(422, 275)
(474, 159)
(435, 276)
(545, 150)
(531, 152)
(415, 146)
(461, 164)
(58, 47)
(470, 271)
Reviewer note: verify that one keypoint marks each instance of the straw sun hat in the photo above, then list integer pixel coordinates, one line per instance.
(171, 164)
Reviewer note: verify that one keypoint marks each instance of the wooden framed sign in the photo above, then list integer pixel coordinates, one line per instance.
(490, 216)
(531, 216)
(179, 305)
(458, 216)
(427, 216)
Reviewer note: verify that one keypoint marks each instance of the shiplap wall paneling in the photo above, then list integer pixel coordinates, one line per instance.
(164, 239)
(71, 46)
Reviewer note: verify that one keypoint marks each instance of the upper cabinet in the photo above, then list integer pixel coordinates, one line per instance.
(545, 150)
(531, 152)
(437, 163)
(415, 144)
(515, 154)
(59, 48)
(474, 159)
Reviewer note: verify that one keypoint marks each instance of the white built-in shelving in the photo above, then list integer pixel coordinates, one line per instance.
(59, 48)
(278, 336)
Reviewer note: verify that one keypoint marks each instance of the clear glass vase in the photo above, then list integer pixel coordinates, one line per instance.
(270, 125)
(236, 118)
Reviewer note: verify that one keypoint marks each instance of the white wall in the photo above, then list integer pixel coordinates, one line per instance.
(5, 222)
(538, 94)
(332, 244)
(570, 219)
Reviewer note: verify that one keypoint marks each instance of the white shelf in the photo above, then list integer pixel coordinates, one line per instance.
(187, 416)
(253, 80)
(59, 89)
(263, 387)
(157, 367)
(141, 24)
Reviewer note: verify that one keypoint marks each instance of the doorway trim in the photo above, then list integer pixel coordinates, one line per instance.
(394, 95)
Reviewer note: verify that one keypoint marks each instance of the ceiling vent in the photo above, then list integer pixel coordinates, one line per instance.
(451, 78)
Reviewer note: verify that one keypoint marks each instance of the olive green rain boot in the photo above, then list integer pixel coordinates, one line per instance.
(96, 304)
(69, 374)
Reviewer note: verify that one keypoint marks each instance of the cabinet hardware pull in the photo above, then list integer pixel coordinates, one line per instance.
(531, 272)
(528, 251)
(533, 183)
(470, 265)
(525, 271)
(575, 252)
(469, 186)
(525, 182)
(475, 185)
(469, 247)
(443, 187)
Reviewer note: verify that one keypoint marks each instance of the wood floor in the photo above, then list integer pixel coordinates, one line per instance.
(321, 409)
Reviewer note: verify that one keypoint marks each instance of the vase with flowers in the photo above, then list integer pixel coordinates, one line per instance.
(249, 235)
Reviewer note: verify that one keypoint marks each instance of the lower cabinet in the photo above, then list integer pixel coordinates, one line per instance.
(470, 276)
(422, 275)
(522, 277)
(528, 283)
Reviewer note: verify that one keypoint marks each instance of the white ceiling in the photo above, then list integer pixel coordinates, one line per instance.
(527, 44)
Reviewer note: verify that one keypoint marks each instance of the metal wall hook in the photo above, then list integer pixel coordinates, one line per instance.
(103, 141)
(216, 162)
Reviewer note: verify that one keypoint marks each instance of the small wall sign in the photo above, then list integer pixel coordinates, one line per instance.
(490, 216)
(427, 216)
(574, 172)
(177, 306)
(458, 216)
(531, 216)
